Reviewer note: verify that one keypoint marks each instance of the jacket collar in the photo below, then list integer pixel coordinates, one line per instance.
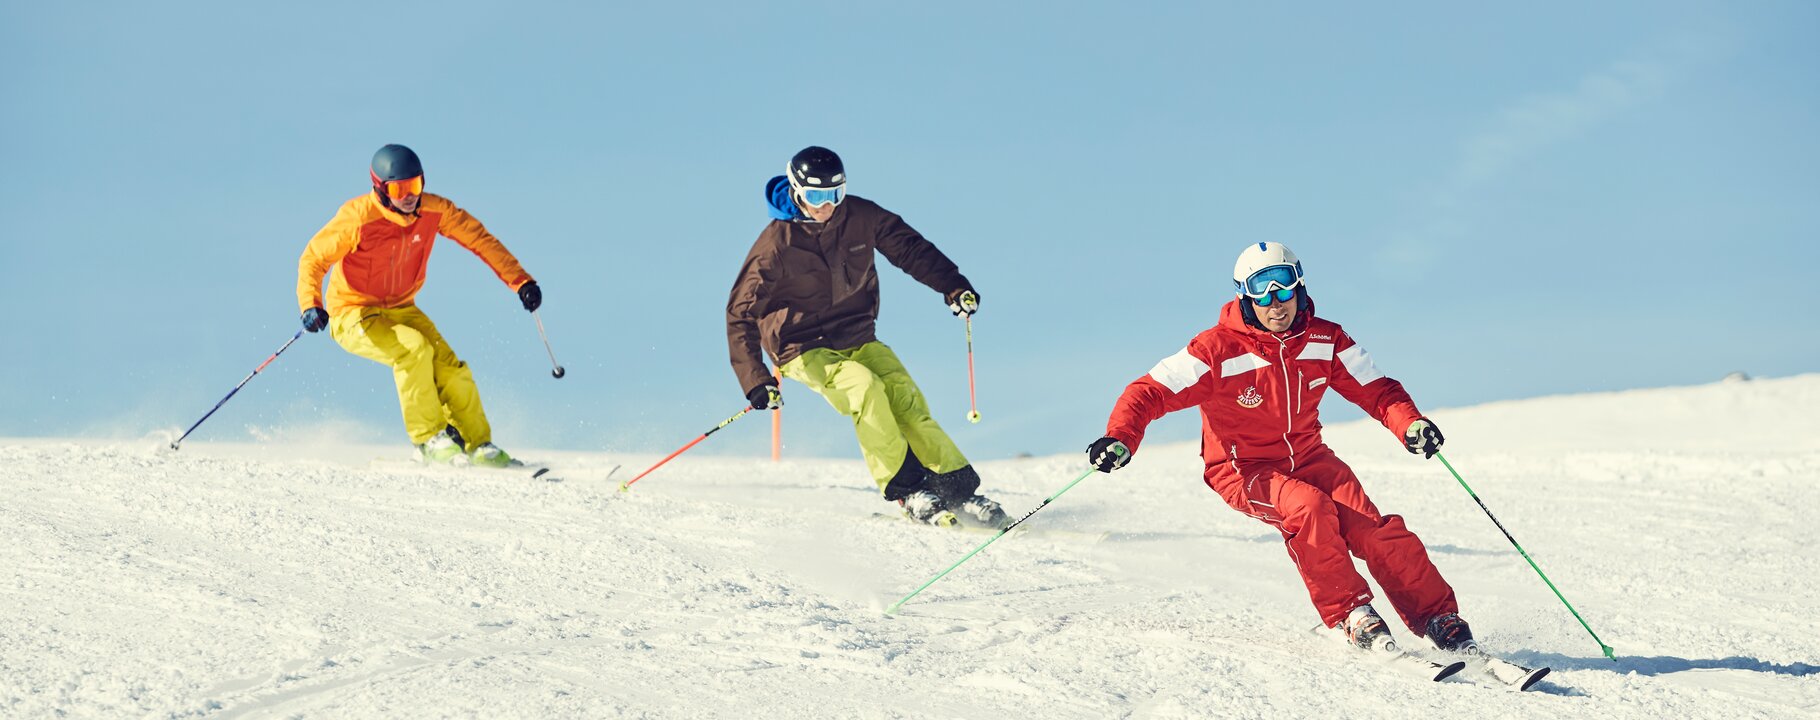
(396, 218)
(1232, 318)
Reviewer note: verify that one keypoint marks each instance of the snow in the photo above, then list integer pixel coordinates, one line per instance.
(307, 580)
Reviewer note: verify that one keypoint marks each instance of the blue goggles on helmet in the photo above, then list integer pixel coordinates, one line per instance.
(817, 197)
(1273, 284)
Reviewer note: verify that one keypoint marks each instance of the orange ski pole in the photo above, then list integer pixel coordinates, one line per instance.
(627, 485)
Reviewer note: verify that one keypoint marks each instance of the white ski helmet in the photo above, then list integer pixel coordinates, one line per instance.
(1264, 268)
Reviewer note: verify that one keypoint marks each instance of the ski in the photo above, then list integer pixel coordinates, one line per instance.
(1423, 667)
(538, 472)
(1390, 654)
(519, 468)
(963, 526)
(1512, 675)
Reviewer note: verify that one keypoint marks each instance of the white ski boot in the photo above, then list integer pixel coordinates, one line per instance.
(1366, 630)
(438, 450)
(489, 455)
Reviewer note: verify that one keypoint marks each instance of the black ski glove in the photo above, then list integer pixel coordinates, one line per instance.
(963, 301)
(1108, 454)
(1422, 437)
(765, 397)
(530, 295)
(315, 319)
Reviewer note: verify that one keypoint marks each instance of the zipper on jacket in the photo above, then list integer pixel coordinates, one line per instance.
(397, 266)
(1288, 411)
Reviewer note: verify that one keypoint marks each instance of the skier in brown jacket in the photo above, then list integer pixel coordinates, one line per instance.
(808, 295)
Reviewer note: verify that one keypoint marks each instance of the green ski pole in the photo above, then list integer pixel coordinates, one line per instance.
(1532, 563)
(900, 603)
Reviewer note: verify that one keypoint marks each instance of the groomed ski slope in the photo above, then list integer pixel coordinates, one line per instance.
(292, 581)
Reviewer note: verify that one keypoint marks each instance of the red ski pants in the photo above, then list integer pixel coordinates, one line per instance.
(1326, 519)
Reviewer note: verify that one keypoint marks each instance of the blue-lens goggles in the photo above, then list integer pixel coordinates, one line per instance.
(1274, 296)
(817, 197)
(1273, 284)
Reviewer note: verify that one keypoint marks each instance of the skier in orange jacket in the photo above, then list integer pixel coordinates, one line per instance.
(379, 246)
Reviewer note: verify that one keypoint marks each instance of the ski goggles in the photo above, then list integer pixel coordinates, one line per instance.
(1274, 296)
(1273, 284)
(399, 189)
(817, 197)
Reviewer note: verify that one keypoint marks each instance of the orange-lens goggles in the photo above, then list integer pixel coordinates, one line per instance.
(401, 189)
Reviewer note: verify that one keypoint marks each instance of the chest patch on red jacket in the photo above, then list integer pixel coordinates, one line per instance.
(1250, 398)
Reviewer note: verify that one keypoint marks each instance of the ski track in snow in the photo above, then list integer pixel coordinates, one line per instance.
(289, 581)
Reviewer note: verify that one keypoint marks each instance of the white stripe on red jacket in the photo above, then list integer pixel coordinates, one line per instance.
(1259, 392)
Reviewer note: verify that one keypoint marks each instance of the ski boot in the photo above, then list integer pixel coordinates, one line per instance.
(959, 492)
(1367, 631)
(1448, 632)
(489, 455)
(925, 507)
(439, 449)
(982, 511)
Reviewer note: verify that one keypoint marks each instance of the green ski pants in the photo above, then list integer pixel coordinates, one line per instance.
(869, 384)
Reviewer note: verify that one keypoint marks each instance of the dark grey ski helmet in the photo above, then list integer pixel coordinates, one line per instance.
(395, 162)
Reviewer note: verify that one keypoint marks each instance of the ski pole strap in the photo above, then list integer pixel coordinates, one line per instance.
(1532, 563)
(230, 395)
(931, 581)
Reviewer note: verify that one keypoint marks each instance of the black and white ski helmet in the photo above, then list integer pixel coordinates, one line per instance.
(816, 167)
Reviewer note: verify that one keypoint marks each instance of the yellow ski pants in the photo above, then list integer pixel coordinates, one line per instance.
(435, 388)
(870, 385)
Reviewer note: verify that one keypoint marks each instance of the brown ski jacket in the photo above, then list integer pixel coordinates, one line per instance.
(809, 285)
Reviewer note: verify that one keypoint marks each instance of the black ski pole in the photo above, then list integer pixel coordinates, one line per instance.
(556, 370)
(243, 382)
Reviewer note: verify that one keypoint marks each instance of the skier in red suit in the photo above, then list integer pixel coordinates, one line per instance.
(1258, 377)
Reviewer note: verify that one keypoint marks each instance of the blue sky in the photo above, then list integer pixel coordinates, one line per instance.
(1498, 203)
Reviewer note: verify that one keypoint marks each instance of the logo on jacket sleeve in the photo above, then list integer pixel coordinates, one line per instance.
(1250, 398)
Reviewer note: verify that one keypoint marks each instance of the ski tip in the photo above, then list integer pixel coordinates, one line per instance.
(1534, 677)
(1449, 670)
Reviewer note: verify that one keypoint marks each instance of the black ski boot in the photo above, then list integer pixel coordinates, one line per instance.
(982, 511)
(1448, 632)
(925, 507)
(959, 490)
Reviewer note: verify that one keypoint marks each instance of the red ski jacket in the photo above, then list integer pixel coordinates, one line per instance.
(1260, 393)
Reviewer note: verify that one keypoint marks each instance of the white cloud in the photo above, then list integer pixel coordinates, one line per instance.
(1528, 127)
(1533, 124)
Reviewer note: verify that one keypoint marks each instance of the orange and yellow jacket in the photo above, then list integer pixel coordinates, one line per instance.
(380, 255)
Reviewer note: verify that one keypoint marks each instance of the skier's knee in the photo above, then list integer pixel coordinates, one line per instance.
(1305, 503)
(412, 353)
